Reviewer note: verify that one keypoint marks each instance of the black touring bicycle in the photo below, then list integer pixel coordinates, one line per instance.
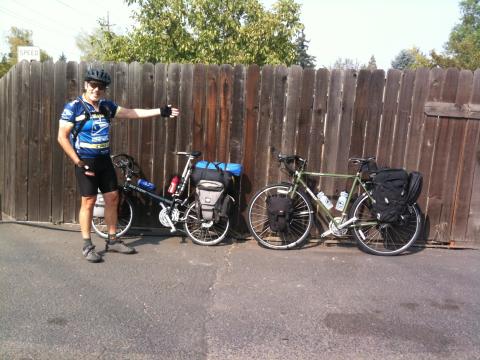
(203, 214)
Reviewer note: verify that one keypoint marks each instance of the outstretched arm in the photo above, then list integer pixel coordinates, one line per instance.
(144, 113)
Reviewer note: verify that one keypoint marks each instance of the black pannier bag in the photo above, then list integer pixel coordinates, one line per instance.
(415, 183)
(209, 197)
(279, 211)
(216, 174)
(223, 173)
(390, 193)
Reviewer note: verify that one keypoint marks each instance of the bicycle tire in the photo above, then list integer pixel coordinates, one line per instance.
(204, 233)
(124, 219)
(300, 224)
(384, 239)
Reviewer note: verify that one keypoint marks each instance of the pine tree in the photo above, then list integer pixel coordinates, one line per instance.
(404, 60)
(372, 63)
(303, 58)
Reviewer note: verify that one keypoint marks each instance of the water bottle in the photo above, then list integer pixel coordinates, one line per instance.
(341, 201)
(147, 185)
(325, 200)
(173, 185)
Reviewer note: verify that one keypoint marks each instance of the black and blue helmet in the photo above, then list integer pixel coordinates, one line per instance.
(98, 75)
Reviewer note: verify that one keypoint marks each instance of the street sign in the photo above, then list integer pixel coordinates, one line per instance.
(28, 53)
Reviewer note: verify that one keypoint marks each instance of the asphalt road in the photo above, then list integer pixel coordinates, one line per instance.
(177, 300)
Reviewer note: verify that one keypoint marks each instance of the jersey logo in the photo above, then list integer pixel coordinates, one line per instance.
(99, 127)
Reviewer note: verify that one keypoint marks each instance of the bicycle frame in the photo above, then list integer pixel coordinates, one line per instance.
(298, 180)
(165, 203)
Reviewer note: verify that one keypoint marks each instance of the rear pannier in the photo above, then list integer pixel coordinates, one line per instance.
(209, 197)
(390, 194)
(415, 183)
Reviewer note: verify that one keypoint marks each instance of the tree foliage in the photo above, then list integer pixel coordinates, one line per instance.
(462, 49)
(404, 60)
(411, 58)
(346, 64)
(303, 58)
(202, 31)
(372, 63)
(17, 37)
(463, 45)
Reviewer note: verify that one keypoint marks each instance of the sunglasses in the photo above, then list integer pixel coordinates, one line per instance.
(95, 85)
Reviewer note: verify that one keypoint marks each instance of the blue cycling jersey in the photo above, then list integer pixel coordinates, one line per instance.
(93, 139)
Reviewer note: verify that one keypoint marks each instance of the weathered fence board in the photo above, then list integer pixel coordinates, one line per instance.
(59, 99)
(248, 115)
(263, 128)
(159, 128)
(402, 119)
(390, 105)
(473, 144)
(276, 124)
(317, 134)
(465, 166)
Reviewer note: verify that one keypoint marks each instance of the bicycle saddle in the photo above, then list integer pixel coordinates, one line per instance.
(194, 153)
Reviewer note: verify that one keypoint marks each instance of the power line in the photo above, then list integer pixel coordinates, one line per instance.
(28, 20)
(43, 16)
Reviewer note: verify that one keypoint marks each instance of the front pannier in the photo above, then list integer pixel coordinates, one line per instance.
(279, 211)
(390, 190)
(209, 198)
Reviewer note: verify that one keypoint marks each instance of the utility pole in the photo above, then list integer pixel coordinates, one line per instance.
(106, 23)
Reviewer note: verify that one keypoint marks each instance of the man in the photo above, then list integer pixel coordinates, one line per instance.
(83, 135)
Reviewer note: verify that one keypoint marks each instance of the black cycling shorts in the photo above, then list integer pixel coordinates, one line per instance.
(105, 177)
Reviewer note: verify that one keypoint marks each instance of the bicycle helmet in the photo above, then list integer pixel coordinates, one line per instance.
(98, 75)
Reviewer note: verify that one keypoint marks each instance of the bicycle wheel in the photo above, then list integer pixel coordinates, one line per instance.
(299, 225)
(384, 238)
(204, 232)
(124, 220)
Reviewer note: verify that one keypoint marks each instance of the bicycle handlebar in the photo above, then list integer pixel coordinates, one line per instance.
(367, 163)
(299, 163)
(287, 160)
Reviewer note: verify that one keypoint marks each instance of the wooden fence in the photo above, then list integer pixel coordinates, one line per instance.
(421, 119)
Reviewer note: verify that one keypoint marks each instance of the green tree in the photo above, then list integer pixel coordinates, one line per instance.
(463, 45)
(404, 60)
(372, 63)
(4, 65)
(18, 37)
(203, 31)
(412, 58)
(303, 58)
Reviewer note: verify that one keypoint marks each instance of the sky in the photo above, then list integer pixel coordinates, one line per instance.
(354, 29)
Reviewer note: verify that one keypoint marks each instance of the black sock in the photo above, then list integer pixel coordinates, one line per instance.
(112, 238)
(87, 242)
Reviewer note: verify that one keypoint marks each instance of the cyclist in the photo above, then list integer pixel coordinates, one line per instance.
(83, 135)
